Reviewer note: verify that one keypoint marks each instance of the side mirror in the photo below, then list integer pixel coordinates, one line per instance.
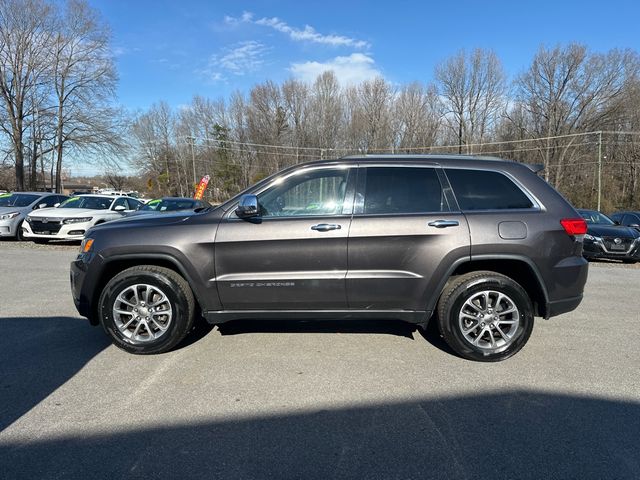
(248, 207)
(119, 208)
(55, 205)
(616, 222)
(634, 225)
(42, 205)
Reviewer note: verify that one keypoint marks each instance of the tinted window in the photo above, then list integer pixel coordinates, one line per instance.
(49, 201)
(318, 192)
(121, 202)
(483, 190)
(94, 203)
(630, 219)
(594, 217)
(171, 205)
(17, 199)
(402, 190)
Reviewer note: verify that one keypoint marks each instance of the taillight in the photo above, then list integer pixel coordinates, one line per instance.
(574, 226)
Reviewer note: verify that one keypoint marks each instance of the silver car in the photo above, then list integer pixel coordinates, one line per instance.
(14, 207)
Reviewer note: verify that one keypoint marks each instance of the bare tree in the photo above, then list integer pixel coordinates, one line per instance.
(84, 80)
(473, 91)
(25, 36)
(566, 90)
(416, 117)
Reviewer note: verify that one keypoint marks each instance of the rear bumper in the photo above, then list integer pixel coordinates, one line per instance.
(563, 306)
(565, 283)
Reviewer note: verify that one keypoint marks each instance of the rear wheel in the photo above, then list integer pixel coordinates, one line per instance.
(485, 316)
(147, 309)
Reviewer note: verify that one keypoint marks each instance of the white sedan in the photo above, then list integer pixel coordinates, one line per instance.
(74, 217)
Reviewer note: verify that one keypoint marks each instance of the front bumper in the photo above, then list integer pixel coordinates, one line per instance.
(83, 284)
(605, 250)
(9, 228)
(55, 231)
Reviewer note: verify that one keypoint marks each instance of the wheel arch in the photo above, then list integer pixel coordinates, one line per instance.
(520, 269)
(117, 264)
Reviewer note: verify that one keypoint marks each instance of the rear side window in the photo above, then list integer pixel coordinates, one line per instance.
(402, 190)
(485, 190)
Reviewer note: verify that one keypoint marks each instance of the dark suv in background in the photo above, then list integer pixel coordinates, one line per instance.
(479, 245)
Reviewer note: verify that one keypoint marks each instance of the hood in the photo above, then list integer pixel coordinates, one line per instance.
(145, 221)
(612, 231)
(22, 210)
(139, 213)
(67, 212)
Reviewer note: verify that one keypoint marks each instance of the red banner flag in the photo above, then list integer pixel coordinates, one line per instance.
(202, 186)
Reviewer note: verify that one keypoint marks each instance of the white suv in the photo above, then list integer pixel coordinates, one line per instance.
(74, 217)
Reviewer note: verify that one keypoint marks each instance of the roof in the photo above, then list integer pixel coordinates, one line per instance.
(445, 160)
(102, 195)
(36, 193)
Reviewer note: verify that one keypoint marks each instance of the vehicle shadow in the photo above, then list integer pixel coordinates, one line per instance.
(388, 327)
(513, 434)
(38, 355)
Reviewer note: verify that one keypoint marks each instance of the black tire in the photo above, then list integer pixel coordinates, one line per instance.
(41, 241)
(468, 286)
(172, 285)
(19, 236)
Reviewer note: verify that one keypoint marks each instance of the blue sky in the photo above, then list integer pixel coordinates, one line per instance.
(172, 50)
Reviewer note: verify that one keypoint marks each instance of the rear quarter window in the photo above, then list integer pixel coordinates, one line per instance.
(486, 190)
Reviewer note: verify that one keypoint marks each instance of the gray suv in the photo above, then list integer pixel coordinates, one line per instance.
(479, 245)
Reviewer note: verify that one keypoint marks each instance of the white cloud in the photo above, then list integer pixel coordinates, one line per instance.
(245, 57)
(350, 70)
(307, 34)
(244, 18)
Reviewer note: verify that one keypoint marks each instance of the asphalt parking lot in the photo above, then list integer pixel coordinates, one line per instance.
(313, 400)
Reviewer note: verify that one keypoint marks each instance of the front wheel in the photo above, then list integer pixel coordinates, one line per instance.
(147, 309)
(485, 316)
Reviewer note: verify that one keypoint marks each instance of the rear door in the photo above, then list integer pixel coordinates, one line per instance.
(405, 234)
(293, 257)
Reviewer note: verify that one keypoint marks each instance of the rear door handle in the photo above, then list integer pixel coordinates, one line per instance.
(443, 223)
(325, 227)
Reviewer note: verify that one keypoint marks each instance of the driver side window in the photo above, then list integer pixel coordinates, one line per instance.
(318, 192)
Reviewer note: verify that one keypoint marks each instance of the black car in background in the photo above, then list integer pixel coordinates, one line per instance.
(171, 204)
(628, 219)
(607, 239)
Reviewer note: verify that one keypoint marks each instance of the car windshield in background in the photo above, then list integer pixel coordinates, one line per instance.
(17, 199)
(168, 205)
(596, 218)
(94, 203)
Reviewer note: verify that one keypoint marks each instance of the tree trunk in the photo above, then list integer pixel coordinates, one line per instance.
(59, 151)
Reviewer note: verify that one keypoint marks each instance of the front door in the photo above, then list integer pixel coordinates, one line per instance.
(294, 256)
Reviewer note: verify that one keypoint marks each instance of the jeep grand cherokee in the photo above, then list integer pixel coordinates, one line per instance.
(477, 244)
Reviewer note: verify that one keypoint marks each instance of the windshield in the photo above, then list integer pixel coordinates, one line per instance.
(94, 203)
(596, 218)
(17, 199)
(169, 205)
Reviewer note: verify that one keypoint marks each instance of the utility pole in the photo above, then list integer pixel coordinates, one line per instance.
(193, 159)
(599, 168)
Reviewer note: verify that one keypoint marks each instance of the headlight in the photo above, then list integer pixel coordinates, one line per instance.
(9, 216)
(77, 220)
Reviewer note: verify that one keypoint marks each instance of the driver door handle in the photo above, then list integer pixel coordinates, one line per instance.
(443, 223)
(325, 227)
